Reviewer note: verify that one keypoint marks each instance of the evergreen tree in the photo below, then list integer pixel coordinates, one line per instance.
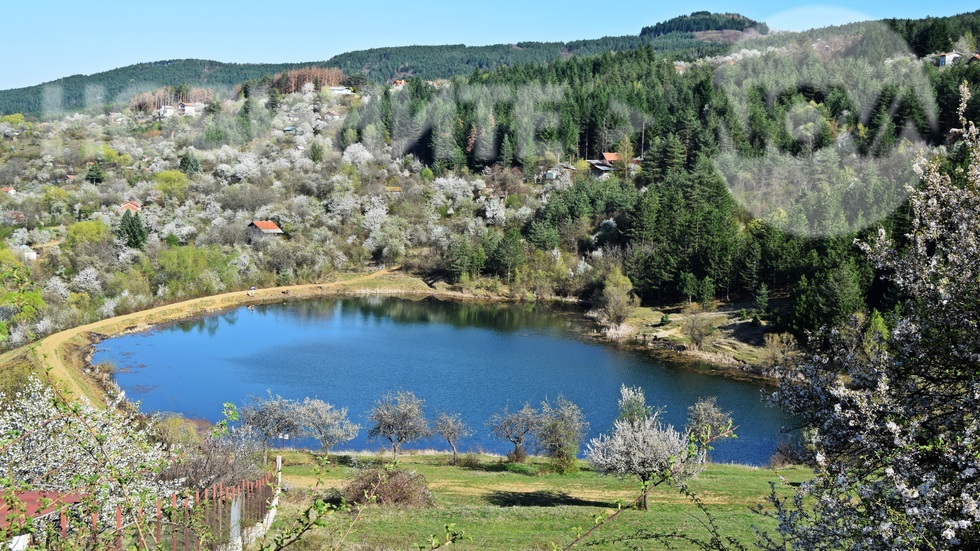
(132, 231)
(95, 174)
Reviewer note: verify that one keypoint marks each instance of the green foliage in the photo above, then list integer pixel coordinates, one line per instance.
(189, 163)
(316, 151)
(560, 433)
(95, 174)
(172, 184)
(86, 232)
(703, 21)
(617, 300)
(762, 300)
(190, 270)
(17, 290)
(132, 231)
(508, 254)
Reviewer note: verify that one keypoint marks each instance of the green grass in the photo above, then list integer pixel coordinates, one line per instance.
(529, 507)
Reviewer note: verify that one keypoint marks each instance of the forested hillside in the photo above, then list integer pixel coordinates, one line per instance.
(704, 21)
(376, 65)
(434, 62)
(822, 187)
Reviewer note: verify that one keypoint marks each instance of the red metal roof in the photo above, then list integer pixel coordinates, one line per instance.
(35, 504)
(266, 225)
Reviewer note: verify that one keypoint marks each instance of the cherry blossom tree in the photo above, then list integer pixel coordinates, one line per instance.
(892, 417)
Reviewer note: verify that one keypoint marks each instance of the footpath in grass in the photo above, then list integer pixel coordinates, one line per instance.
(503, 506)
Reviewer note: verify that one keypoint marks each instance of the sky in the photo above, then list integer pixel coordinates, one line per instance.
(49, 39)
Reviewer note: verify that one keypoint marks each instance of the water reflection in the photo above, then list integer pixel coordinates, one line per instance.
(467, 357)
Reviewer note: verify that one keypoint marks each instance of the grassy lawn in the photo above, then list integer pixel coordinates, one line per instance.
(503, 506)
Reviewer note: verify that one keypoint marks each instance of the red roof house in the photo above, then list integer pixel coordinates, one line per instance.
(131, 206)
(260, 229)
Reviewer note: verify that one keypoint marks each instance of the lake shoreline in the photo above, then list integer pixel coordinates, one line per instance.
(65, 357)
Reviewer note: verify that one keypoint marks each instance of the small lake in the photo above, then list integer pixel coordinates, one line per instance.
(459, 357)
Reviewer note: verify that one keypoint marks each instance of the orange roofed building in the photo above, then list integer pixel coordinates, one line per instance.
(260, 229)
(131, 206)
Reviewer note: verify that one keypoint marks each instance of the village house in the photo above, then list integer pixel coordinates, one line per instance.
(26, 253)
(8, 190)
(190, 109)
(262, 229)
(167, 111)
(131, 206)
(947, 58)
(341, 90)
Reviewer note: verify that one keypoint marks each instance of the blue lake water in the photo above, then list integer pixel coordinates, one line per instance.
(468, 358)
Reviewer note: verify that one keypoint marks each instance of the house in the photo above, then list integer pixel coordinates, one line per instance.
(333, 116)
(397, 85)
(341, 91)
(599, 168)
(131, 206)
(948, 58)
(26, 253)
(261, 229)
(167, 111)
(610, 159)
(190, 109)
(973, 58)
(8, 190)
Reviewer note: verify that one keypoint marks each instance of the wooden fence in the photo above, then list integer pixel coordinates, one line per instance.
(219, 518)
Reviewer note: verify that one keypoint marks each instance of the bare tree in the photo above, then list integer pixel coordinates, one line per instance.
(699, 329)
(517, 428)
(453, 429)
(272, 417)
(328, 425)
(399, 418)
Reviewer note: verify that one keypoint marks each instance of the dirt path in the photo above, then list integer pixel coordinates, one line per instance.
(62, 354)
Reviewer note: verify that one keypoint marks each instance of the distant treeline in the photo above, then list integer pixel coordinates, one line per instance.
(436, 62)
(118, 86)
(938, 34)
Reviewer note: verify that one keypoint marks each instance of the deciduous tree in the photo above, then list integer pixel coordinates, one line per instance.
(399, 418)
(451, 427)
(893, 425)
(560, 433)
(327, 424)
(517, 428)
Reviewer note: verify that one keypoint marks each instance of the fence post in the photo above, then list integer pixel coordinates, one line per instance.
(118, 528)
(235, 522)
(159, 520)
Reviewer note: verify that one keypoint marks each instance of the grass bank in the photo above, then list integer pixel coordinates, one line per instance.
(503, 506)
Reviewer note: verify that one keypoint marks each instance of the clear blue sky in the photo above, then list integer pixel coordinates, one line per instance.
(49, 39)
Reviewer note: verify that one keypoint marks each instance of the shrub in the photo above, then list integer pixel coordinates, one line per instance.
(389, 487)
(469, 461)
